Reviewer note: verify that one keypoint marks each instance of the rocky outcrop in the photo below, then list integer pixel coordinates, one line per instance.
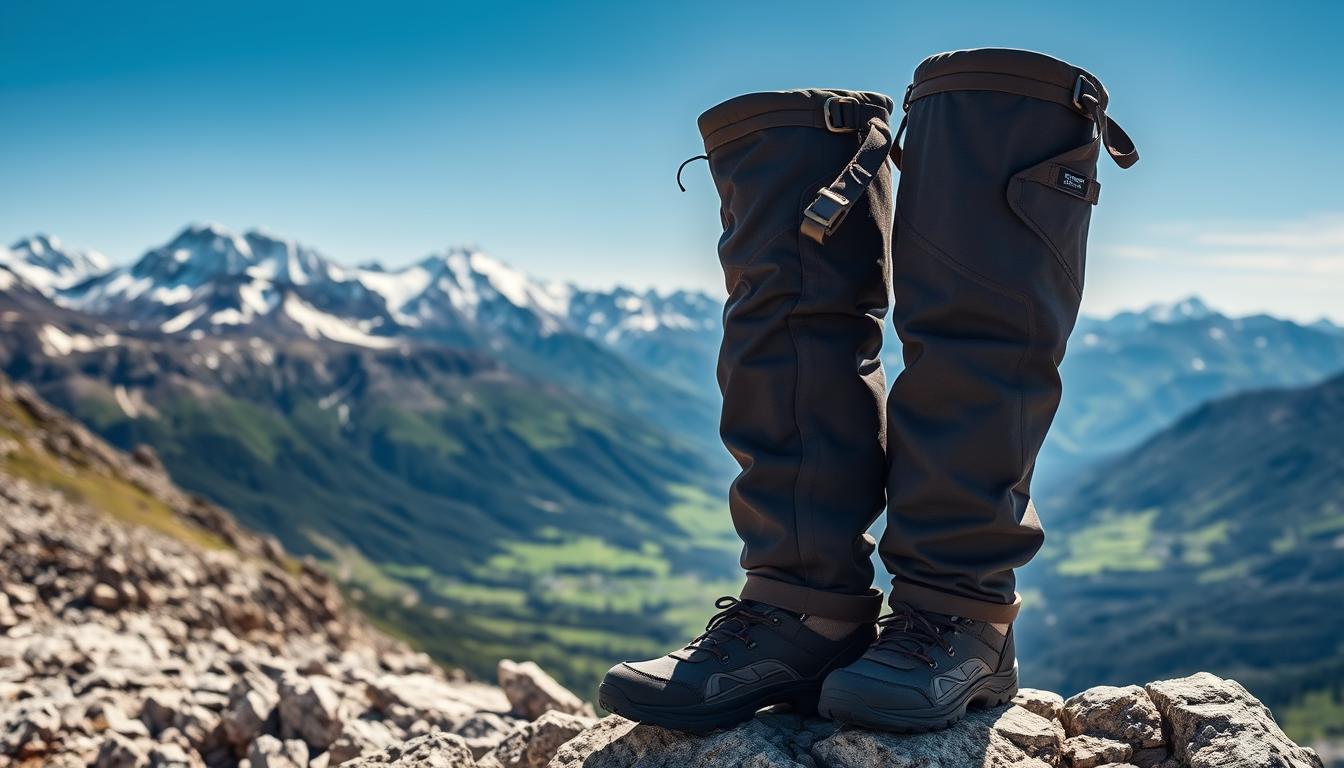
(532, 692)
(197, 644)
(1195, 722)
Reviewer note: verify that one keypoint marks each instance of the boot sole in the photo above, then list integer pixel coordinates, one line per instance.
(850, 709)
(707, 718)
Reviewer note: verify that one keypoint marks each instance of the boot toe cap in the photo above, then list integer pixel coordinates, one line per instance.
(875, 685)
(642, 682)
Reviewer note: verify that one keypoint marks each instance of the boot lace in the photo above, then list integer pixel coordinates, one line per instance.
(914, 633)
(733, 622)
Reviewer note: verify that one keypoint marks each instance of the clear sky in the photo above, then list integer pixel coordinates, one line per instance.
(548, 133)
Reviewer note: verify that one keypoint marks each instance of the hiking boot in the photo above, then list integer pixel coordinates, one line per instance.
(751, 655)
(922, 673)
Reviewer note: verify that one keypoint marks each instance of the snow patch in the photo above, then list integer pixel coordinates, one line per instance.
(58, 343)
(183, 321)
(124, 402)
(317, 324)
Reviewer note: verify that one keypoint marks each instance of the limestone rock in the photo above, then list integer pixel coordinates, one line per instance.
(361, 737)
(174, 756)
(437, 750)
(120, 752)
(1123, 714)
(482, 732)
(310, 710)
(105, 596)
(270, 752)
(251, 711)
(1218, 723)
(999, 737)
(1093, 751)
(532, 692)
(616, 742)
(1037, 736)
(534, 744)
(1047, 704)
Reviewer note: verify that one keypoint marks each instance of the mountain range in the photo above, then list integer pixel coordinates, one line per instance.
(536, 464)
(451, 437)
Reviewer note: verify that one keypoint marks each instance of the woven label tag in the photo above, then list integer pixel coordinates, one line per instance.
(1073, 182)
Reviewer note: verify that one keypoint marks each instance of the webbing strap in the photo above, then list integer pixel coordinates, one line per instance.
(1085, 97)
(834, 202)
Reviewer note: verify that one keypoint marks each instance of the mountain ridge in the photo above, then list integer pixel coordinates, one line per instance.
(1218, 541)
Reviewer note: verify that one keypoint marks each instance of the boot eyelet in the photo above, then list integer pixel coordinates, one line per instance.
(723, 659)
(951, 652)
(933, 665)
(774, 620)
(751, 646)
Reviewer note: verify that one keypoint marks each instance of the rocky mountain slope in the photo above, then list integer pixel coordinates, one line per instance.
(452, 452)
(140, 626)
(1219, 544)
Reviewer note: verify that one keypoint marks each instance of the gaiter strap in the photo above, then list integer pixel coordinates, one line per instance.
(833, 202)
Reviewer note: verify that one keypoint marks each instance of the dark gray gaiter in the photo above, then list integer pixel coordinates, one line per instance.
(998, 180)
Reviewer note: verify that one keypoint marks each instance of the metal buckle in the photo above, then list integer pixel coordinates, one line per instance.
(829, 219)
(1078, 94)
(826, 113)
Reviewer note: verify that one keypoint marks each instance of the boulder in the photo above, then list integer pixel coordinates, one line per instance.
(532, 692)
(361, 737)
(534, 744)
(615, 741)
(120, 752)
(1216, 723)
(251, 710)
(1037, 736)
(1122, 714)
(1047, 704)
(270, 752)
(105, 596)
(1094, 751)
(482, 732)
(436, 750)
(174, 756)
(310, 710)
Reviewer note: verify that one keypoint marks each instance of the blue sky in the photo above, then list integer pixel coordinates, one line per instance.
(548, 133)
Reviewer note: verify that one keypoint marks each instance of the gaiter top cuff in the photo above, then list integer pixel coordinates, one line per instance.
(958, 70)
(751, 112)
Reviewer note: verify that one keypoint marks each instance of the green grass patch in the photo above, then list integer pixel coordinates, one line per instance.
(110, 495)
(703, 518)
(1117, 543)
(418, 430)
(583, 554)
(1197, 545)
(1317, 715)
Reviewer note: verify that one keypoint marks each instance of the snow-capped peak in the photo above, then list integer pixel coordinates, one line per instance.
(1189, 308)
(465, 284)
(45, 264)
(210, 278)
